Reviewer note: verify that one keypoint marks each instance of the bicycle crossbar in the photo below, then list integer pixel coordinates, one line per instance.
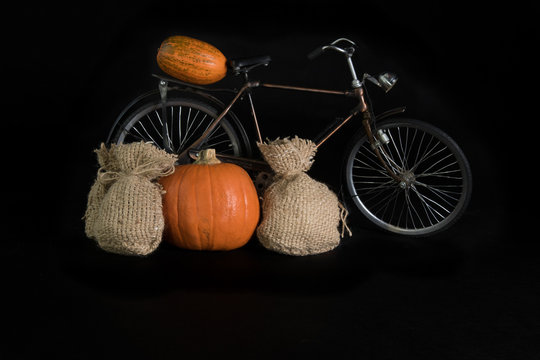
(298, 88)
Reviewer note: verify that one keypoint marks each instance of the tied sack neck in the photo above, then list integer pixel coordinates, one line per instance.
(287, 156)
(149, 170)
(136, 159)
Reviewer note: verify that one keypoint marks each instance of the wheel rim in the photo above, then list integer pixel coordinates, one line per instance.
(186, 121)
(432, 188)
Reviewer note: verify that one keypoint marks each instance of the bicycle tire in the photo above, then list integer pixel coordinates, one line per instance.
(435, 179)
(187, 118)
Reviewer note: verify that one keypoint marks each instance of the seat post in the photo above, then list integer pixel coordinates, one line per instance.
(254, 114)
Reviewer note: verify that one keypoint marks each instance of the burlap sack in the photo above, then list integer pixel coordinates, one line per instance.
(124, 211)
(301, 216)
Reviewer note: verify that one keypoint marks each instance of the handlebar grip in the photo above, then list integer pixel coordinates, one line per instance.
(318, 51)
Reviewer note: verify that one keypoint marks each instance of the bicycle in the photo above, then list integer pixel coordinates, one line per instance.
(404, 175)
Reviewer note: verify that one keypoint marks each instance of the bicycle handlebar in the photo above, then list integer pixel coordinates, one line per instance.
(315, 53)
(347, 51)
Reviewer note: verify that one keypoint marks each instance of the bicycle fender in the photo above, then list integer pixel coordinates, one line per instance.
(390, 112)
(153, 93)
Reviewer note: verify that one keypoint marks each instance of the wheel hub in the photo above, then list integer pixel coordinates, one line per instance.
(407, 179)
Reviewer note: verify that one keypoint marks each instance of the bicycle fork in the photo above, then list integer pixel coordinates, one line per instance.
(377, 146)
(382, 138)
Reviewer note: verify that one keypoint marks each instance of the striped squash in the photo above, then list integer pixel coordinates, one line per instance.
(191, 60)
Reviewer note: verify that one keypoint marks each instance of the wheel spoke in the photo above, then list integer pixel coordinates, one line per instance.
(385, 201)
(370, 156)
(189, 134)
(444, 195)
(387, 153)
(171, 143)
(411, 143)
(442, 174)
(179, 125)
(427, 155)
(398, 152)
(138, 135)
(166, 129)
(380, 170)
(366, 191)
(390, 161)
(146, 132)
(411, 209)
(429, 202)
(154, 126)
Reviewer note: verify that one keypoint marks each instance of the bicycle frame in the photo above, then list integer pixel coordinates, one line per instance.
(253, 164)
(253, 84)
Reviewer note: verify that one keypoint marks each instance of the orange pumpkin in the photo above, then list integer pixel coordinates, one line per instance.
(191, 60)
(209, 205)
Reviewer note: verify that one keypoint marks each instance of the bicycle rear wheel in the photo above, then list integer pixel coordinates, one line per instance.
(187, 119)
(435, 179)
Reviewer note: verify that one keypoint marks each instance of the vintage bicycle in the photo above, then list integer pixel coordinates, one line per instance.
(405, 175)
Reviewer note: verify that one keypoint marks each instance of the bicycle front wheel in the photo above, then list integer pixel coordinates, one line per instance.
(187, 119)
(435, 180)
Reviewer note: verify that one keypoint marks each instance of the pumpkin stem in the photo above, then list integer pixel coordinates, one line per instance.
(207, 157)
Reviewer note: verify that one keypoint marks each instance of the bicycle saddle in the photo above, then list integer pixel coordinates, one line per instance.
(246, 64)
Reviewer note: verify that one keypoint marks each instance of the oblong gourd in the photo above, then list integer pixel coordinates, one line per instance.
(191, 60)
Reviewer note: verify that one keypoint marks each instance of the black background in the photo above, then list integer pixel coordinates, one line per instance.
(469, 293)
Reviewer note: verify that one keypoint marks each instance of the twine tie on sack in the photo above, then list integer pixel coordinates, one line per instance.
(151, 169)
(343, 214)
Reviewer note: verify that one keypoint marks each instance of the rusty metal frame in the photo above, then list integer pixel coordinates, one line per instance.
(306, 89)
(248, 85)
(254, 164)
